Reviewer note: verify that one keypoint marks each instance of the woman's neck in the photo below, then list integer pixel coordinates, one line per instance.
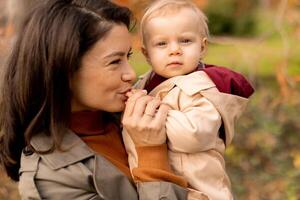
(88, 122)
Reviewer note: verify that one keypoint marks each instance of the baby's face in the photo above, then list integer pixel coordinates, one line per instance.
(173, 43)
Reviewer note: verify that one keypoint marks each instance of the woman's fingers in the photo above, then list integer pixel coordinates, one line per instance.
(161, 115)
(151, 108)
(146, 123)
(140, 106)
(131, 102)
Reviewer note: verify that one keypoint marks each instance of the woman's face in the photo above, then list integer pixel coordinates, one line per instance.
(105, 75)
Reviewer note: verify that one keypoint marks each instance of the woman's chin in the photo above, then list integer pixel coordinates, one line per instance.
(117, 108)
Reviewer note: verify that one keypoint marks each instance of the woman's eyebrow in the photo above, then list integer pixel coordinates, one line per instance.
(118, 53)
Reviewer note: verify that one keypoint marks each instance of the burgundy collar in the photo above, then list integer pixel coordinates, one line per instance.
(226, 80)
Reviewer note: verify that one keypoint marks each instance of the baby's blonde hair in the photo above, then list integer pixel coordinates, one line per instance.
(160, 7)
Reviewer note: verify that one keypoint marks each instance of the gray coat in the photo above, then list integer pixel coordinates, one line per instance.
(79, 173)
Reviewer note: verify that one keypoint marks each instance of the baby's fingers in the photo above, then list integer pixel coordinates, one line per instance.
(131, 92)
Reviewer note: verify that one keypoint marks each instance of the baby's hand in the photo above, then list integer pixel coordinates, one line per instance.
(168, 107)
(134, 91)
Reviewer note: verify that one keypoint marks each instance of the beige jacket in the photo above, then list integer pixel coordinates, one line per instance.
(79, 173)
(195, 148)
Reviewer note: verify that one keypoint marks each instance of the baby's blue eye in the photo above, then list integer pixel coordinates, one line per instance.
(161, 43)
(186, 41)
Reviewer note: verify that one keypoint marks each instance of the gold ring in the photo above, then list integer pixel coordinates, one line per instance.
(148, 114)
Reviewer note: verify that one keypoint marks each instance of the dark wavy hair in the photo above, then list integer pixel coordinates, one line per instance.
(36, 95)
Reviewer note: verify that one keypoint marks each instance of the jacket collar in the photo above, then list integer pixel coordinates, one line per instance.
(229, 106)
(199, 80)
(73, 150)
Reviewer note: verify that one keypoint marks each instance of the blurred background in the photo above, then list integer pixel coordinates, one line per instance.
(258, 38)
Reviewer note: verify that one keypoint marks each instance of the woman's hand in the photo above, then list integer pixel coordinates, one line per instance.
(144, 119)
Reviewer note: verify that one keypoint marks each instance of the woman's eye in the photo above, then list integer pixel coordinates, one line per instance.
(115, 62)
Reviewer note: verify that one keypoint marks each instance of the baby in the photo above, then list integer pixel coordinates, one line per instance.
(205, 100)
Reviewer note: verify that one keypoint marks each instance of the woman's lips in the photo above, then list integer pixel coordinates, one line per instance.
(123, 95)
(125, 91)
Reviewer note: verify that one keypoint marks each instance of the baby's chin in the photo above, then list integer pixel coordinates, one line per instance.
(175, 72)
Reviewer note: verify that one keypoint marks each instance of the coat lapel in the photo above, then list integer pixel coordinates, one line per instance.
(199, 80)
(73, 150)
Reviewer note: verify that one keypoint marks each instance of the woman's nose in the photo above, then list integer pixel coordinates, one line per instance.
(129, 74)
(175, 49)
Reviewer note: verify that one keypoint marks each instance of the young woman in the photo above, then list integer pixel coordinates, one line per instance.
(66, 76)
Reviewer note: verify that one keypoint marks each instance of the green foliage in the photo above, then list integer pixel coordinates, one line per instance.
(231, 17)
(262, 159)
(138, 62)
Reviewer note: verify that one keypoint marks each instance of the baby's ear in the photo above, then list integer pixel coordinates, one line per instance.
(144, 51)
(204, 43)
